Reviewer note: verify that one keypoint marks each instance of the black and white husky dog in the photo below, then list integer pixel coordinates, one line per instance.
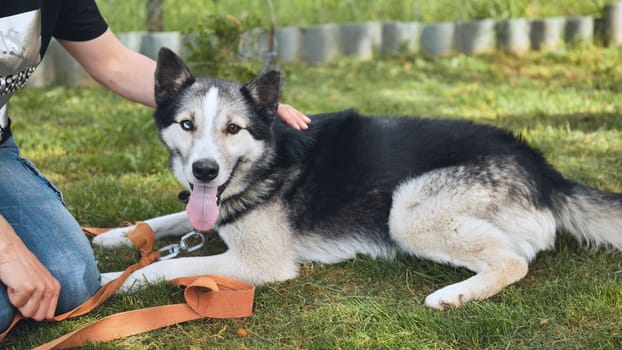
(450, 191)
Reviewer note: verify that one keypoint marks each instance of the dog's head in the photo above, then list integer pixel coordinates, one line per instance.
(214, 129)
(208, 124)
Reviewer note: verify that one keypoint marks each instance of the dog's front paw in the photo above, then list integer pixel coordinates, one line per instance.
(452, 296)
(108, 277)
(114, 238)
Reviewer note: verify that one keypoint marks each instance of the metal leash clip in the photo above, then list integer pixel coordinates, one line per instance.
(172, 250)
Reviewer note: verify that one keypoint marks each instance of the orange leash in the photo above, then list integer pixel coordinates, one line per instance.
(206, 296)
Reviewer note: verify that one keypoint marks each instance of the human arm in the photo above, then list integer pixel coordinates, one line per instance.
(131, 74)
(30, 286)
(116, 67)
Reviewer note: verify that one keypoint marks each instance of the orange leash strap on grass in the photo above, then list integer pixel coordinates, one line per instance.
(206, 296)
(142, 237)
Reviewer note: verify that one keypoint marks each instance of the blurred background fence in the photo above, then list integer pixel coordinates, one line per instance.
(330, 29)
(127, 16)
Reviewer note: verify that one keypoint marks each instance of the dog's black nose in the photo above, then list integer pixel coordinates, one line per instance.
(205, 169)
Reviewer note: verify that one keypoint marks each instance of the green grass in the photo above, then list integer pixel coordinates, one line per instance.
(104, 153)
(183, 15)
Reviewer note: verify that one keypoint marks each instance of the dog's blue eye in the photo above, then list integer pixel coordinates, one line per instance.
(186, 125)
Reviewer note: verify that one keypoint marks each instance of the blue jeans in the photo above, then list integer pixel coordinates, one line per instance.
(35, 210)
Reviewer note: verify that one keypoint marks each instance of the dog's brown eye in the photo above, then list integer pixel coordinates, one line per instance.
(233, 129)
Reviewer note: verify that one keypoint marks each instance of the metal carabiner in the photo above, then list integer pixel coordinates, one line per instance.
(172, 250)
(183, 245)
(169, 252)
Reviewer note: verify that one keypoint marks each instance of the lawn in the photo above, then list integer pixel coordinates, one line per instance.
(104, 153)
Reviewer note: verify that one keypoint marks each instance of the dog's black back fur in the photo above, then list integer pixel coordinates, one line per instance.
(351, 164)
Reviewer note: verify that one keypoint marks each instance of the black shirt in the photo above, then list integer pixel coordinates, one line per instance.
(26, 28)
(73, 20)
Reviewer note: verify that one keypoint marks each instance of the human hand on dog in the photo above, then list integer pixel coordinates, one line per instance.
(293, 117)
(31, 288)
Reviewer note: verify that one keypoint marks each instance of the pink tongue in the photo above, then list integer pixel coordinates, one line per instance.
(202, 209)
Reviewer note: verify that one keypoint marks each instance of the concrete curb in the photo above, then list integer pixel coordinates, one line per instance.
(401, 36)
(579, 30)
(360, 39)
(437, 39)
(288, 42)
(475, 37)
(547, 34)
(513, 36)
(320, 44)
(613, 24)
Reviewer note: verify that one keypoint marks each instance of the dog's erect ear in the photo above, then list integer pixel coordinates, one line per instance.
(264, 93)
(171, 76)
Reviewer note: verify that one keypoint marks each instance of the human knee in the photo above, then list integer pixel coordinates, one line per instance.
(79, 278)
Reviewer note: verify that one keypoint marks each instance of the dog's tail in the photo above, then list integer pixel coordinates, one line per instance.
(592, 216)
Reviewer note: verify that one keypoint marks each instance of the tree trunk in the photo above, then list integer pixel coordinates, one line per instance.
(154, 16)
